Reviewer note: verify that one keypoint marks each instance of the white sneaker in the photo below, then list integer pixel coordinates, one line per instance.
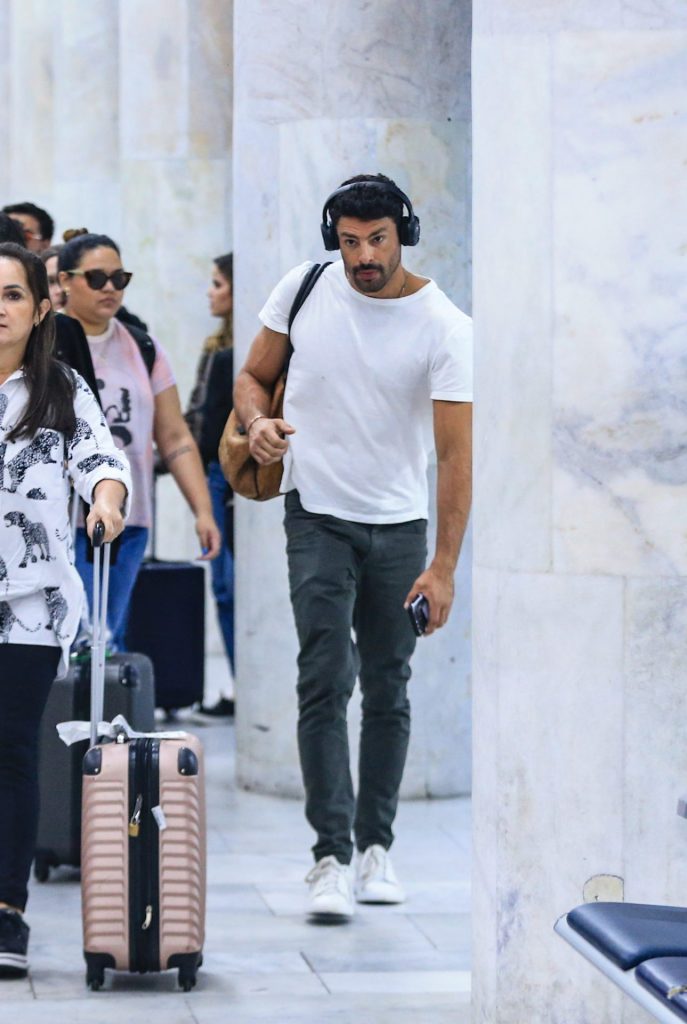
(376, 880)
(331, 893)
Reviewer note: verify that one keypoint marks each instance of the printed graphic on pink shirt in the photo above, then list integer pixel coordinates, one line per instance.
(127, 393)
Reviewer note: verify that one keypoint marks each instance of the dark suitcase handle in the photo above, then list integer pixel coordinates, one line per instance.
(101, 560)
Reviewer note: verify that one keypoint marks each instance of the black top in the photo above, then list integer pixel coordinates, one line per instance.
(130, 319)
(218, 403)
(71, 346)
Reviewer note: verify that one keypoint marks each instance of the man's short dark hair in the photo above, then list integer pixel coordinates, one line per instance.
(47, 224)
(367, 203)
(10, 230)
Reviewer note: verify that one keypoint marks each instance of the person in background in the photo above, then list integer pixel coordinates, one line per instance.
(123, 314)
(48, 420)
(11, 230)
(141, 405)
(57, 296)
(36, 223)
(70, 341)
(207, 413)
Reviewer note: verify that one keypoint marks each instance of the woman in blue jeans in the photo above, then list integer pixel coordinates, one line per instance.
(208, 411)
(140, 403)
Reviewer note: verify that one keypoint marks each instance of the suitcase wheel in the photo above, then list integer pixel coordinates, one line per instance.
(95, 969)
(187, 979)
(95, 979)
(188, 964)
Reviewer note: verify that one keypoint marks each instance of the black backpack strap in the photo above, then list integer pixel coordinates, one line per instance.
(146, 346)
(307, 285)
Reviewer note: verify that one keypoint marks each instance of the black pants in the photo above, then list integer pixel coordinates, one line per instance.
(347, 575)
(26, 674)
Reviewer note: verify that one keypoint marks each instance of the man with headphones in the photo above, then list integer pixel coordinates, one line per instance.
(381, 369)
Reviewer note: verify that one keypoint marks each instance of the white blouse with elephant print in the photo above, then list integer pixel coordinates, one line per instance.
(41, 594)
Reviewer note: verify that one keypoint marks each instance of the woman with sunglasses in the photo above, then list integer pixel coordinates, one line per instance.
(140, 406)
(51, 431)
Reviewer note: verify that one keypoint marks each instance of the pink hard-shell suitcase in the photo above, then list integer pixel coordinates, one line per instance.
(143, 841)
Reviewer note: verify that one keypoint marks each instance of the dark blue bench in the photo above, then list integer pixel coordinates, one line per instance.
(641, 948)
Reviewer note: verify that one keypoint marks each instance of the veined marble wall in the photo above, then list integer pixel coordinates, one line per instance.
(119, 119)
(325, 91)
(580, 609)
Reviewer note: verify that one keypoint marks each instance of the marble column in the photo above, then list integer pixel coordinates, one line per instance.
(29, 115)
(86, 182)
(175, 115)
(120, 120)
(580, 595)
(323, 92)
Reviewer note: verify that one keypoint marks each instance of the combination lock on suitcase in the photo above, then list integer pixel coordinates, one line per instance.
(143, 841)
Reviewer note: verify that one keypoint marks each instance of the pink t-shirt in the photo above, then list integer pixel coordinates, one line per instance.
(127, 394)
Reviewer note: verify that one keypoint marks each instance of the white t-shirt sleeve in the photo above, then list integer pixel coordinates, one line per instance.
(450, 370)
(275, 313)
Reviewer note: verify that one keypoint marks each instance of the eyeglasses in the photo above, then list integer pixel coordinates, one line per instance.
(32, 236)
(97, 279)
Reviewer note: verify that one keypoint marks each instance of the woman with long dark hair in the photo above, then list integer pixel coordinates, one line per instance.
(141, 404)
(208, 410)
(52, 434)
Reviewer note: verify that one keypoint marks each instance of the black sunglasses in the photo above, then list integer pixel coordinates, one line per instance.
(97, 279)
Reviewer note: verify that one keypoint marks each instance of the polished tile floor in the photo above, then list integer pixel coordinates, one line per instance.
(263, 961)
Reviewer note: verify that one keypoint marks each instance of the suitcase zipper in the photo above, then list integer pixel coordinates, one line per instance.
(144, 931)
(135, 880)
(151, 921)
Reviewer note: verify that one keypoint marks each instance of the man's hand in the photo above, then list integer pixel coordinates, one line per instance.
(437, 586)
(267, 441)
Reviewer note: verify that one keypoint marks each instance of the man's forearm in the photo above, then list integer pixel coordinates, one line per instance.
(251, 398)
(454, 495)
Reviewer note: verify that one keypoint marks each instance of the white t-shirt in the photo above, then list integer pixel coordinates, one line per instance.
(359, 391)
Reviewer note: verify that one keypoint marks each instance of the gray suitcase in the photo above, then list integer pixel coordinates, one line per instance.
(129, 691)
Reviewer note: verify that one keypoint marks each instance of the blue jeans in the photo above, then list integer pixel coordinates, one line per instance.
(122, 577)
(222, 568)
(343, 575)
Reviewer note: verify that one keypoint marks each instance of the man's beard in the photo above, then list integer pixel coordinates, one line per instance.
(375, 284)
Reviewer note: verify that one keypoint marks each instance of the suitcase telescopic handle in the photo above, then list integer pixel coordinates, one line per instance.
(100, 592)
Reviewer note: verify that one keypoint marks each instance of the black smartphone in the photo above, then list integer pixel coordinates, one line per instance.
(418, 612)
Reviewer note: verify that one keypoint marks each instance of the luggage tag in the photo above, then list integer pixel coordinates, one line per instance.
(160, 818)
(73, 732)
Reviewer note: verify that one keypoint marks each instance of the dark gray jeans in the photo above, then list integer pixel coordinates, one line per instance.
(344, 575)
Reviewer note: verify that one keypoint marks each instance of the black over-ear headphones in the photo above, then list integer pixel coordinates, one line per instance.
(408, 229)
